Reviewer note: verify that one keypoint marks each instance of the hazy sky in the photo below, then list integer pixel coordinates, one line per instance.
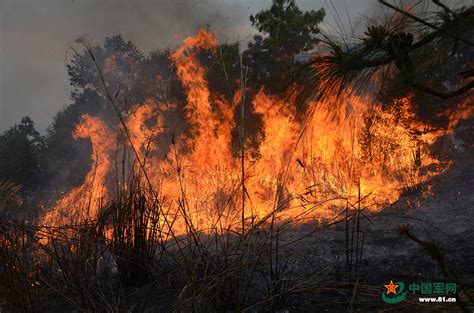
(35, 36)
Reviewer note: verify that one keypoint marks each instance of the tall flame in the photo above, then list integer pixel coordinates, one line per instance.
(305, 169)
(83, 202)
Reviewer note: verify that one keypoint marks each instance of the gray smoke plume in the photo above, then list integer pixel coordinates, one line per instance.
(35, 36)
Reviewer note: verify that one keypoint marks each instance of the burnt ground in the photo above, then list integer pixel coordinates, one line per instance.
(445, 217)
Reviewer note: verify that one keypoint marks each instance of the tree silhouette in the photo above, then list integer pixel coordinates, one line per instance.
(418, 46)
(287, 32)
(19, 154)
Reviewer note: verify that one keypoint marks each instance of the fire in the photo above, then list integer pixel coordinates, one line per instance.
(84, 201)
(305, 169)
(464, 110)
(143, 137)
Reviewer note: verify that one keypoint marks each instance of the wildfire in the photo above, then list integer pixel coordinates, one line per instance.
(84, 201)
(304, 169)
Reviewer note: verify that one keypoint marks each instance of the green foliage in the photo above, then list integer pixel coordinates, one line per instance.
(121, 62)
(425, 53)
(130, 76)
(66, 159)
(224, 69)
(288, 31)
(19, 154)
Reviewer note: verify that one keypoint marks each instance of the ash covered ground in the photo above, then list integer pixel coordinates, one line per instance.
(443, 216)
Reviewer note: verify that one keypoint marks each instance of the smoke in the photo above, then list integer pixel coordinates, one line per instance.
(35, 37)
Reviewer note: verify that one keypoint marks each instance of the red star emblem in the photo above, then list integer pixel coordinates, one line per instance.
(391, 287)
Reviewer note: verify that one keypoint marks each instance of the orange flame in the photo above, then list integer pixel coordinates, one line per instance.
(84, 201)
(304, 169)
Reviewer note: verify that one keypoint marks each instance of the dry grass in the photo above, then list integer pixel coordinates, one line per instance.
(128, 259)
